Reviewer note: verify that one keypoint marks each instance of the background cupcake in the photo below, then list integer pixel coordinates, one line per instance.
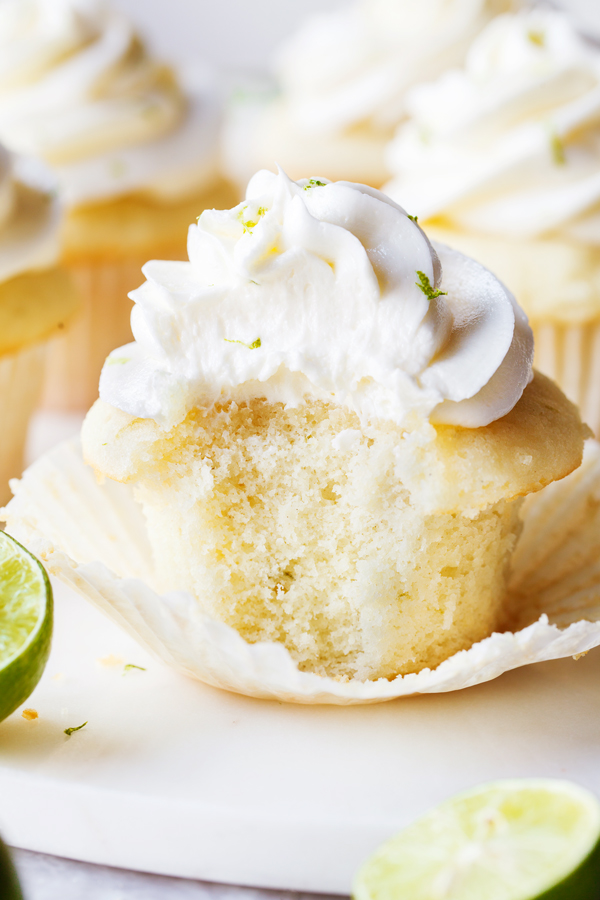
(342, 80)
(134, 155)
(37, 300)
(502, 160)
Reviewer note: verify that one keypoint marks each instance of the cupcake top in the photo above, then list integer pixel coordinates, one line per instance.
(328, 290)
(354, 65)
(79, 90)
(509, 146)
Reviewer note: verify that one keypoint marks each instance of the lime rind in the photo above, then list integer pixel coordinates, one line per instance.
(26, 611)
(9, 883)
(513, 840)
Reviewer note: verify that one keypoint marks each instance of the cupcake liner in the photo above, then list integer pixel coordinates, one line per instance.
(92, 536)
(75, 359)
(570, 355)
(21, 377)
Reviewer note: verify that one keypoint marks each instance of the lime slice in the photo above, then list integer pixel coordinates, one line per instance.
(511, 840)
(9, 883)
(25, 623)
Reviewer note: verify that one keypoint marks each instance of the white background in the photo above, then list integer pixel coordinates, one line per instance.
(230, 34)
(241, 34)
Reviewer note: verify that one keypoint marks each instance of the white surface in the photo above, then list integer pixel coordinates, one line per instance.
(174, 777)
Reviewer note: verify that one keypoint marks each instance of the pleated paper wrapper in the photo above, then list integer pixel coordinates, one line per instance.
(92, 536)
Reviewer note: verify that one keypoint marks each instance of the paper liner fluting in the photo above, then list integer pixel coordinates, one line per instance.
(570, 355)
(92, 536)
(21, 377)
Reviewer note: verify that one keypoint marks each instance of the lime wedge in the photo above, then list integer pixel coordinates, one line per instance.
(511, 840)
(25, 623)
(9, 883)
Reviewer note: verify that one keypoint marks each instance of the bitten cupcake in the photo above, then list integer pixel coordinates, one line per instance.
(342, 79)
(37, 300)
(502, 160)
(135, 156)
(329, 426)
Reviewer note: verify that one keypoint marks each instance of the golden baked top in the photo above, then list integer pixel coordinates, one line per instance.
(33, 306)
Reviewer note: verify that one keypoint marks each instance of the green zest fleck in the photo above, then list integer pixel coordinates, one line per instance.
(425, 285)
(253, 346)
(117, 360)
(537, 37)
(558, 149)
(69, 731)
(314, 182)
(414, 219)
(132, 666)
(249, 225)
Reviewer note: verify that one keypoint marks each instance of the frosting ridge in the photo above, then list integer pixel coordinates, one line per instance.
(327, 289)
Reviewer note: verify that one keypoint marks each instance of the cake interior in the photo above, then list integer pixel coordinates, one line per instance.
(292, 525)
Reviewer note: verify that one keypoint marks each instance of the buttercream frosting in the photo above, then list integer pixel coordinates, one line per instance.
(328, 290)
(29, 216)
(342, 79)
(79, 90)
(354, 65)
(510, 145)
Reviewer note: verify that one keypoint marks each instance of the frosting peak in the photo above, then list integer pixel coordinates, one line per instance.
(327, 289)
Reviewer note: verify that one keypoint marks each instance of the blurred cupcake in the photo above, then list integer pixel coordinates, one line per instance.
(342, 79)
(329, 429)
(37, 300)
(502, 161)
(134, 155)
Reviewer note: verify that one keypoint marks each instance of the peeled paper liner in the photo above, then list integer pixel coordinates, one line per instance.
(92, 536)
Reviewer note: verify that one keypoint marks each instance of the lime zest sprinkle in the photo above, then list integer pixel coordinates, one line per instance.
(253, 346)
(537, 37)
(130, 666)
(424, 285)
(117, 360)
(558, 149)
(314, 182)
(69, 731)
(414, 219)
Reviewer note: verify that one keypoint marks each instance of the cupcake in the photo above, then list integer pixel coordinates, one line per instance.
(502, 160)
(37, 300)
(134, 155)
(329, 426)
(342, 79)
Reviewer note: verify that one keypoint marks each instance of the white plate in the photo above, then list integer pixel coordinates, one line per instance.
(174, 777)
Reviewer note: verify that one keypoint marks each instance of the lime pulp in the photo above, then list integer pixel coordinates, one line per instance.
(513, 840)
(25, 623)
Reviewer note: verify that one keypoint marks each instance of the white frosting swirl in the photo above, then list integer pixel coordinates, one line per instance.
(354, 65)
(29, 217)
(315, 289)
(76, 85)
(510, 145)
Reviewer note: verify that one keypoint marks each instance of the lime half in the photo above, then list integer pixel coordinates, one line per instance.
(511, 840)
(25, 623)
(9, 883)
